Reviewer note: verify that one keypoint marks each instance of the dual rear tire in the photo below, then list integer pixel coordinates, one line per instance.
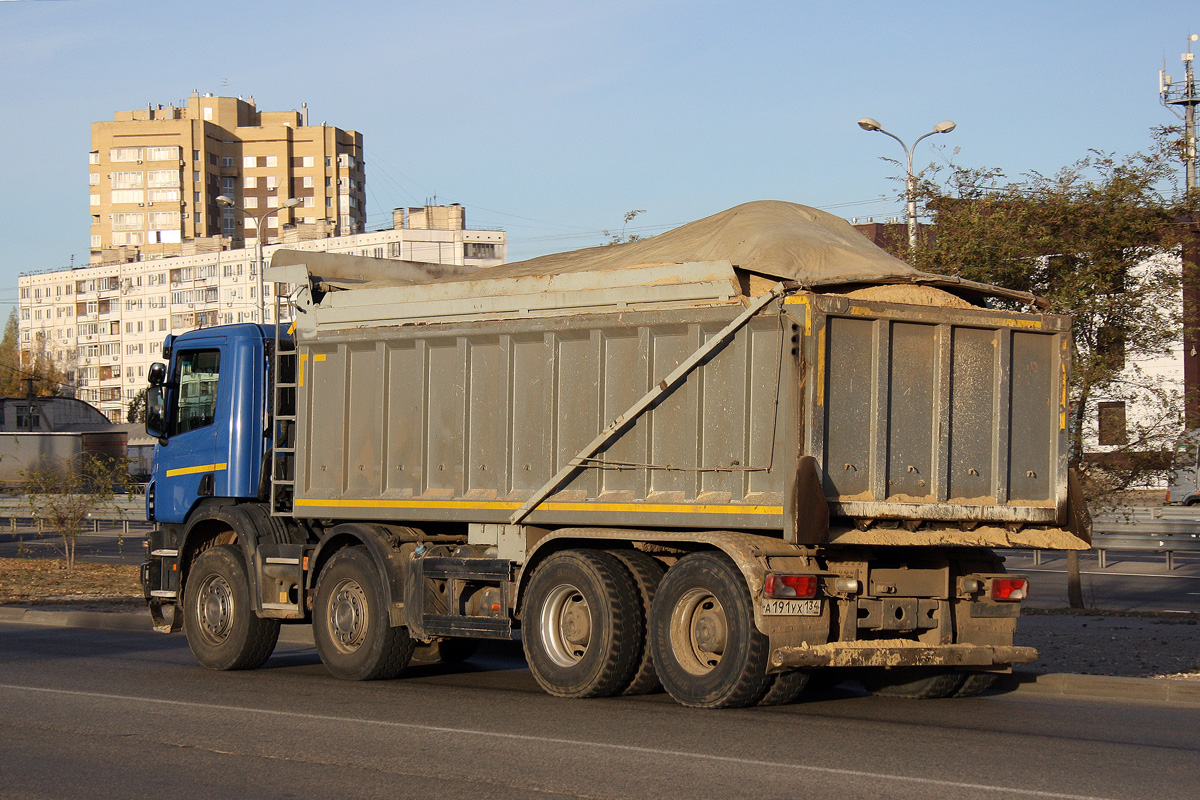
(600, 623)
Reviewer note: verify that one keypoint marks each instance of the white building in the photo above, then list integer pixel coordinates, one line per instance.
(104, 324)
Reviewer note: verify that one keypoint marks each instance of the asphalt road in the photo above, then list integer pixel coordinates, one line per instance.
(97, 714)
(1130, 582)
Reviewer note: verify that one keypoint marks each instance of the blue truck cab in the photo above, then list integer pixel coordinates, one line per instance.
(210, 414)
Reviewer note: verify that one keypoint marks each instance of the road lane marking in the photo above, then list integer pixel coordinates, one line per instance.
(574, 743)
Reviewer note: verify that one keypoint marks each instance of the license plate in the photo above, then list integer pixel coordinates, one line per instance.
(802, 608)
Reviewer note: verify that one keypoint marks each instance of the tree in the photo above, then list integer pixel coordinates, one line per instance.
(1099, 240)
(137, 407)
(621, 238)
(17, 366)
(64, 494)
(10, 359)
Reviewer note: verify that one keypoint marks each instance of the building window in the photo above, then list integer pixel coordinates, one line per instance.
(309, 202)
(126, 180)
(1111, 419)
(272, 181)
(249, 162)
(28, 418)
(226, 161)
(94, 157)
(479, 250)
(307, 161)
(162, 153)
(162, 177)
(127, 221)
(250, 202)
(126, 196)
(164, 195)
(195, 155)
(125, 154)
(94, 199)
(163, 220)
(307, 181)
(94, 179)
(250, 182)
(272, 161)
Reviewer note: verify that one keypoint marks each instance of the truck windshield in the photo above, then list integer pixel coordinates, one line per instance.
(196, 373)
(1185, 454)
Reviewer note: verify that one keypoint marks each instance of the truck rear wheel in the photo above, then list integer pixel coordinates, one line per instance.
(786, 688)
(706, 649)
(647, 573)
(913, 682)
(222, 630)
(975, 684)
(351, 625)
(582, 624)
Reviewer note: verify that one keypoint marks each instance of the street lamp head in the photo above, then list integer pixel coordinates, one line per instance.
(292, 202)
(868, 124)
(222, 200)
(945, 126)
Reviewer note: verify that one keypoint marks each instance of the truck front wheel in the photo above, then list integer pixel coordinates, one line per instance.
(582, 625)
(706, 649)
(221, 627)
(351, 625)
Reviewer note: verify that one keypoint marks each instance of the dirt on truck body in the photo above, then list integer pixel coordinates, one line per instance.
(717, 461)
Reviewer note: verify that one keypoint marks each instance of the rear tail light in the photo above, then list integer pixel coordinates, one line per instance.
(790, 585)
(1010, 589)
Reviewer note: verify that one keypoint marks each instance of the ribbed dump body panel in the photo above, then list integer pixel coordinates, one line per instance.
(466, 421)
(951, 414)
(917, 413)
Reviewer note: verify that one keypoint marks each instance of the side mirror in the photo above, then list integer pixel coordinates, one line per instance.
(158, 373)
(168, 342)
(156, 410)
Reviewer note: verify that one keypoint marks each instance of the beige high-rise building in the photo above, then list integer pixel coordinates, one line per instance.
(156, 173)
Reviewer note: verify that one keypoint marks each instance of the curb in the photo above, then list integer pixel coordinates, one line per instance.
(1103, 687)
(1052, 684)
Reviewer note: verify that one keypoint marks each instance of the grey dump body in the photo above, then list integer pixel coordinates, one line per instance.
(953, 417)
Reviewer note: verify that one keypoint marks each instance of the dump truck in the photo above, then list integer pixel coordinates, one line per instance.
(719, 461)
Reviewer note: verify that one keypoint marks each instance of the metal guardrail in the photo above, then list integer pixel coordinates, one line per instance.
(1163, 529)
(122, 510)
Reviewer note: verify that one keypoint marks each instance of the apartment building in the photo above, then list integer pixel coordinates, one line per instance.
(155, 175)
(105, 323)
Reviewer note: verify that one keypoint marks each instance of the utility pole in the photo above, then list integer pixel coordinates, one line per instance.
(1173, 95)
(1184, 94)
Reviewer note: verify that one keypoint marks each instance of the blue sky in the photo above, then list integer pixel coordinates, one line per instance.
(552, 120)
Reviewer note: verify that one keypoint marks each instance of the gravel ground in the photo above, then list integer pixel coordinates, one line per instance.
(1130, 646)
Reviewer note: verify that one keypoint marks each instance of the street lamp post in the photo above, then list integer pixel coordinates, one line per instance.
(910, 183)
(227, 202)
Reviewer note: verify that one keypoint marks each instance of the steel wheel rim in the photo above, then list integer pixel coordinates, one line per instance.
(348, 616)
(699, 631)
(566, 625)
(214, 605)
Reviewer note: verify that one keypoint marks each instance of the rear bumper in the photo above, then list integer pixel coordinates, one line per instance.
(899, 653)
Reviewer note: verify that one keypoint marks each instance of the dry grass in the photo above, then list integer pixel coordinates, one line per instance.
(42, 582)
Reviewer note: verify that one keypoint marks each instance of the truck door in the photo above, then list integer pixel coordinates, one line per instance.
(194, 461)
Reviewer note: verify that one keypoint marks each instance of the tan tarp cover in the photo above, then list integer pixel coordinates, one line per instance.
(769, 237)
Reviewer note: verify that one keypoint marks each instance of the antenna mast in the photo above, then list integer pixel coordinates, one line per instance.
(1184, 94)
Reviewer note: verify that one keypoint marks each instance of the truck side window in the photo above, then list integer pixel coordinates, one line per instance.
(196, 373)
